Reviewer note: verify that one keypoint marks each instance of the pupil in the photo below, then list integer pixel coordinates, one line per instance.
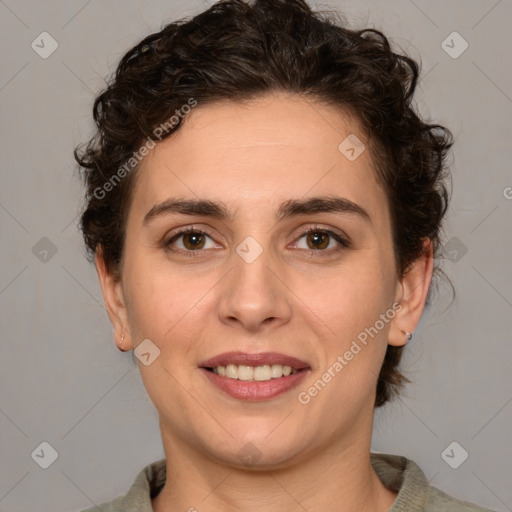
(194, 239)
(317, 237)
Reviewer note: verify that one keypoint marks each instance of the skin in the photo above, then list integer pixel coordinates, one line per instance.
(253, 157)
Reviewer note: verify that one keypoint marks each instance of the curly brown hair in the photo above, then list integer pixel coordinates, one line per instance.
(237, 51)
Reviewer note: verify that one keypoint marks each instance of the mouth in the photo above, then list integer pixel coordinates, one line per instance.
(254, 377)
(253, 373)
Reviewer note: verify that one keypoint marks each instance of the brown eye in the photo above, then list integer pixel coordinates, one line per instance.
(193, 240)
(317, 240)
(189, 240)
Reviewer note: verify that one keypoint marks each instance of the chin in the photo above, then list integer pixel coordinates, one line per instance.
(257, 450)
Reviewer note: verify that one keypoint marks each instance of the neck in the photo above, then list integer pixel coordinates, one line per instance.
(340, 479)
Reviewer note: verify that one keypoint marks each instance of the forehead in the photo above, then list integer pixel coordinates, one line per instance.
(271, 148)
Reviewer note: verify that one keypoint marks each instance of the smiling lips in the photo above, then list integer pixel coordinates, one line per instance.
(254, 376)
(252, 373)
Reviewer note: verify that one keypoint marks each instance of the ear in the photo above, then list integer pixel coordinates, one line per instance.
(412, 293)
(113, 296)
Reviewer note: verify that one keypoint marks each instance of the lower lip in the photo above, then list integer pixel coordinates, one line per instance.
(255, 390)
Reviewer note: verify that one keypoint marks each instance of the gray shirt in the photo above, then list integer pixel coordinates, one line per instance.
(397, 473)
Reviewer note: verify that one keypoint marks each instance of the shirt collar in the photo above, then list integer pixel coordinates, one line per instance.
(397, 473)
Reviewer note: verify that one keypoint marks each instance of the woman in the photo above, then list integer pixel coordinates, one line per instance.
(263, 208)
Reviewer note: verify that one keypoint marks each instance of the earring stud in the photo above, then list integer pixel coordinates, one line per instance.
(121, 343)
(408, 335)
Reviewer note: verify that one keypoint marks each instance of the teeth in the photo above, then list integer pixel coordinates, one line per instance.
(231, 371)
(254, 373)
(262, 372)
(276, 371)
(245, 372)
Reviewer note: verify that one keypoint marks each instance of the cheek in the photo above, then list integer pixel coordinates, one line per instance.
(356, 305)
(162, 303)
(353, 297)
(152, 303)
(358, 313)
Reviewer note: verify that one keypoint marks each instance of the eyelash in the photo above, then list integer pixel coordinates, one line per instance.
(345, 244)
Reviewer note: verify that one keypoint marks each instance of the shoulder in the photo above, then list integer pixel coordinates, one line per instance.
(439, 501)
(415, 494)
(116, 505)
(146, 486)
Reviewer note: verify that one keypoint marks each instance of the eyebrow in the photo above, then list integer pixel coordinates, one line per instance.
(290, 208)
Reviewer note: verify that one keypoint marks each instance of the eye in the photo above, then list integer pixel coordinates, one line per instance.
(322, 240)
(190, 239)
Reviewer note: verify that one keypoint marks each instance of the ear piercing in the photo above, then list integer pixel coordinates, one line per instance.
(120, 344)
(408, 335)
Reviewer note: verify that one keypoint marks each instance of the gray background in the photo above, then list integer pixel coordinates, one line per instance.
(63, 381)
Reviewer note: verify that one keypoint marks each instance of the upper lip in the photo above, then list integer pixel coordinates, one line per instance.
(258, 359)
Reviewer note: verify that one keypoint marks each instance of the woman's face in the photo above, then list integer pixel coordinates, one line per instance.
(255, 282)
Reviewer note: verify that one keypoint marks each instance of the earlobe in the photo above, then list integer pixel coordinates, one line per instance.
(412, 293)
(113, 296)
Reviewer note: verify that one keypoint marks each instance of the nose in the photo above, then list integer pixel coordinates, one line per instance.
(254, 294)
